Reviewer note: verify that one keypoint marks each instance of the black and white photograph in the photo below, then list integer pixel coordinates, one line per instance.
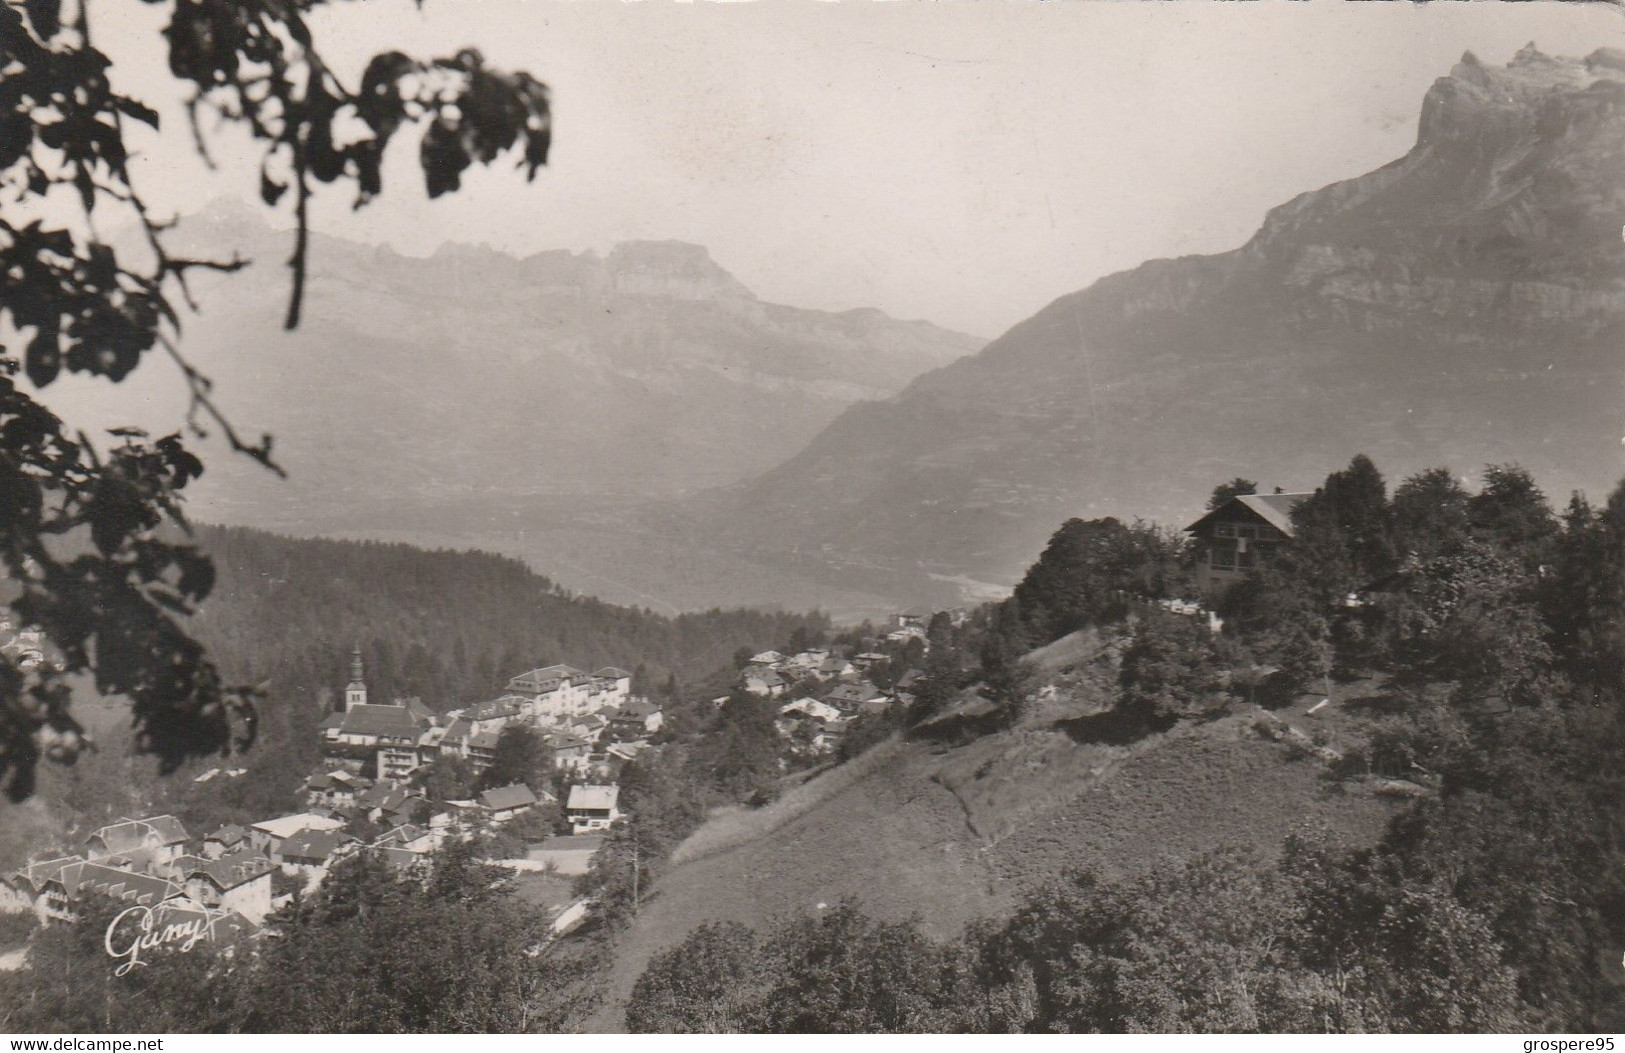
(783, 517)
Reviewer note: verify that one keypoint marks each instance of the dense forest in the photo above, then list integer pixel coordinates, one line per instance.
(447, 627)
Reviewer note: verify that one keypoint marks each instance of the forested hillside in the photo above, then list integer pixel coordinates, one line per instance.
(448, 627)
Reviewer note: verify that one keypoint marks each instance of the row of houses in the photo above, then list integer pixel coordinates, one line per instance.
(578, 713)
(225, 880)
(146, 863)
(819, 723)
(771, 674)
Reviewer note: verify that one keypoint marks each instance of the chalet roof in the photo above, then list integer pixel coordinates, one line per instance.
(811, 707)
(126, 885)
(639, 707)
(583, 796)
(484, 740)
(917, 612)
(507, 706)
(230, 834)
(610, 672)
(502, 798)
(38, 875)
(331, 721)
(548, 672)
(228, 872)
(312, 846)
(861, 691)
(1274, 509)
(380, 722)
(563, 740)
(398, 800)
(222, 927)
(401, 835)
(287, 825)
(418, 710)
(127, 835)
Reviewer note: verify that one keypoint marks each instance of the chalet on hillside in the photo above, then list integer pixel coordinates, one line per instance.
(160, 839)
(224, 841)
(593, 808)
(848, 698)
(508, 802)
(239, 882)
(308, 852)
(1239, 535)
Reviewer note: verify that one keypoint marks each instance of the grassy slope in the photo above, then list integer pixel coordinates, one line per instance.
(952, 833)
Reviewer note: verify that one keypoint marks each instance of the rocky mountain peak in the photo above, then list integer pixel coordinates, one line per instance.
(1461, 305)
(1477, 98)
(672, 269)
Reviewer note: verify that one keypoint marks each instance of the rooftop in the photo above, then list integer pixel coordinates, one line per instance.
(46, 870)
(381, 721)
(288, 825)
(312, 846)
(228, 872)
(546, 673)
(1274, 509)
(502, 798)
(130, 834)
(229, 834)
(593, 797)
(81, 878)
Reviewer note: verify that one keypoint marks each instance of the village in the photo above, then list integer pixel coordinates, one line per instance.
(371, 793)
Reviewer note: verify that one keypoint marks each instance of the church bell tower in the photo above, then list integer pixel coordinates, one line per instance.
(356, 693)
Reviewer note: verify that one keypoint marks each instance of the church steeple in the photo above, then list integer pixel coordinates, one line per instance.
(356, 693)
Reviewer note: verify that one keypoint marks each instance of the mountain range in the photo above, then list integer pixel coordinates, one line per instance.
(639, 426)
(418, 385)
(1462, 305)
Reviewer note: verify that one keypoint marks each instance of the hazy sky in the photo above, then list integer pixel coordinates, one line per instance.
(961, 162)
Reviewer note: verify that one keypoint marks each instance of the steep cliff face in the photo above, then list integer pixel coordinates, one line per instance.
(1461, 305)
(422, 383)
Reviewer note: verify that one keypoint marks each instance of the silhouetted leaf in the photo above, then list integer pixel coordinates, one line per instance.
(46, 15)
(44, 358)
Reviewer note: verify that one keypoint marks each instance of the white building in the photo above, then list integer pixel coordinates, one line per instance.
(592, 808)
(558, 691)
(268, 836)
